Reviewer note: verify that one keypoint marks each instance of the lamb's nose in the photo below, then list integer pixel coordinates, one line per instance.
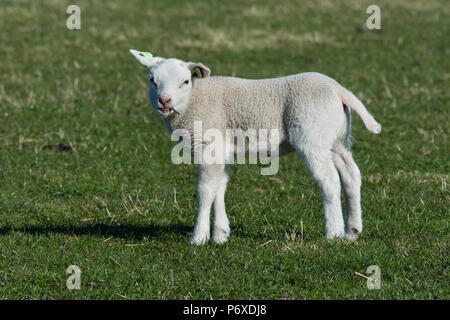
(165, 101)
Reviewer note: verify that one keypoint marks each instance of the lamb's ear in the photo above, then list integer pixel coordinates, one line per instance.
(204, 70)
(145, 58)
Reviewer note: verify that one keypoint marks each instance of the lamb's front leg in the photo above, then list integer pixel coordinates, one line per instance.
(208, 182)
(221, 226)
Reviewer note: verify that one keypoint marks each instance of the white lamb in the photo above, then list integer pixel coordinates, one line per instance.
(310, 110)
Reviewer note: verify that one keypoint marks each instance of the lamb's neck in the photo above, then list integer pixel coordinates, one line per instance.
(172, 122)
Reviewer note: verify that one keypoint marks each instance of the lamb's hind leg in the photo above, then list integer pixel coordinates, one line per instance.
(351, 183)
(320, 165)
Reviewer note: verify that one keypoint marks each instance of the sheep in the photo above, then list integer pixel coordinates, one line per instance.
(310, 110)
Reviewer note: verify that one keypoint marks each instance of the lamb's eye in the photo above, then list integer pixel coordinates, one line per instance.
(184, 83)
(152, 80)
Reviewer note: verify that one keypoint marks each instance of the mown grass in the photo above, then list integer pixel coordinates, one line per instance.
(116, 206)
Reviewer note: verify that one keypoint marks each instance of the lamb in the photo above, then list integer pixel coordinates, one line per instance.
(310, 110)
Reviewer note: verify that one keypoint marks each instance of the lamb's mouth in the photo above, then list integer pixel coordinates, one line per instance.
(167, 110)
(164, 110)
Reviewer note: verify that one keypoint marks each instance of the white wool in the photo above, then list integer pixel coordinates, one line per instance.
(309, 110)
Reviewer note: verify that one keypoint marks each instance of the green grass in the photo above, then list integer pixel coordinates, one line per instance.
(119, 209)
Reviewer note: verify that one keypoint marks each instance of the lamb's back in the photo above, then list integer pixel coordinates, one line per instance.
(228, 102)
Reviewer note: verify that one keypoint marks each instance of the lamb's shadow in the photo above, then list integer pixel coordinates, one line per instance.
(124, 231)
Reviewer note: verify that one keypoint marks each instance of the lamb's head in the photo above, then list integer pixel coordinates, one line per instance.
(170, 86)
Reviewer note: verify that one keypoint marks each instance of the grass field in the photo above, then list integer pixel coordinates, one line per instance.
(109, 200)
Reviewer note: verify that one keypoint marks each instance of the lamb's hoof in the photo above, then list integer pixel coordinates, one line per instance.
(352, 234)
(221, 236)
(199, 239)
(335, 235)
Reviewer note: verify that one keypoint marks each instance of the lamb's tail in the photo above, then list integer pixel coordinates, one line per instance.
(350, 100)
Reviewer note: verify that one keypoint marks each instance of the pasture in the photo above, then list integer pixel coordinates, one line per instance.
(86, 177)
